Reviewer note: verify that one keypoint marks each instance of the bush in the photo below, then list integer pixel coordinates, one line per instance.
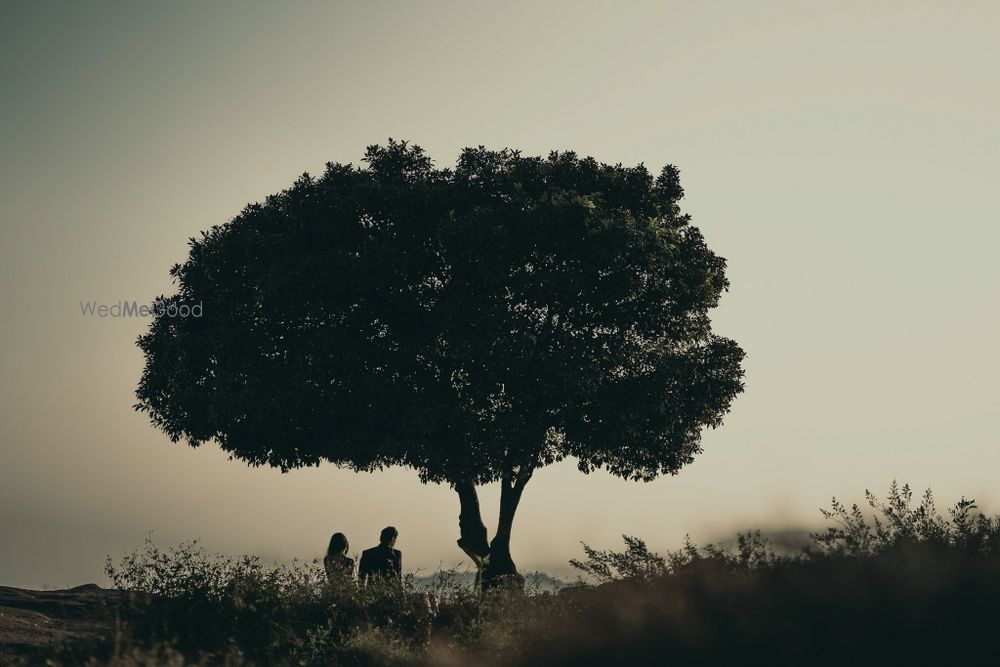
(897, 523)
(205, 605)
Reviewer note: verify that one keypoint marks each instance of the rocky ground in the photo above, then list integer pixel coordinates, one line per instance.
(35, 625)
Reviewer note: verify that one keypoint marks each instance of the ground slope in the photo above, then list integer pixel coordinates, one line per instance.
(42, 623)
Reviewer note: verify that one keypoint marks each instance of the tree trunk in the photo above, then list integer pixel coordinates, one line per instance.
(495, 567)
(472, 532)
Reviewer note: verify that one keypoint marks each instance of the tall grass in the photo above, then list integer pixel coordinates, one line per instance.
(898, 582)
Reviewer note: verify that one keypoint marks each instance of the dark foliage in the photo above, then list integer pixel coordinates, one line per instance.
(906, 586)
(214, 608)
(473, 323)
(468, 322)
(910, 605)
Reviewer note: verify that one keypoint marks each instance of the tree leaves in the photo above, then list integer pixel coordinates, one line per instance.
(466, 322)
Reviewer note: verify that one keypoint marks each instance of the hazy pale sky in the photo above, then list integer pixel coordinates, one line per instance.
(844, 157)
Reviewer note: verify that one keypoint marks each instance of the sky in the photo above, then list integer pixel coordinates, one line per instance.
(843, 157)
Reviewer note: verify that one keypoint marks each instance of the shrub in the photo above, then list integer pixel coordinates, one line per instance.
(897, 522)
(203, 605)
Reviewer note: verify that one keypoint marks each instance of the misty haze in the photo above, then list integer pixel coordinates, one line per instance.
(537, 334)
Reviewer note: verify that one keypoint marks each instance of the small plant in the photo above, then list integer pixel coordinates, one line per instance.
(638, 564)
(897, 522)
(635, 563)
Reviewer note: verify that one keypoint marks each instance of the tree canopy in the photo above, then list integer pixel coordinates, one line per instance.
(466, 322)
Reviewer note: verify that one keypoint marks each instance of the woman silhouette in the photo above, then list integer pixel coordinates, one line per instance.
(338, 565)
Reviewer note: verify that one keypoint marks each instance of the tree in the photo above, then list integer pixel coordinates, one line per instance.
(473, 324)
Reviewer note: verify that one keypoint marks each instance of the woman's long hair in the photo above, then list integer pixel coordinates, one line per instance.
(338, 545)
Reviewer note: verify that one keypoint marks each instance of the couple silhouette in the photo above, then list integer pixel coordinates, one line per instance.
(383, 562)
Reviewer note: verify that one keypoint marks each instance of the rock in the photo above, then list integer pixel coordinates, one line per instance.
(34, 623)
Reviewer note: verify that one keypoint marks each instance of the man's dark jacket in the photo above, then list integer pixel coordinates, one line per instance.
(381, 562)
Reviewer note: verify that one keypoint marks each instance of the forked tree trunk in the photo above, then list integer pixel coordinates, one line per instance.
(493, 561)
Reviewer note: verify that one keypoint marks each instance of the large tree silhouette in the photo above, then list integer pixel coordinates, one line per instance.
(474, 324)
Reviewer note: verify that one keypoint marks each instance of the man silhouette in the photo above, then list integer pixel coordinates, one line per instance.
(382, 562)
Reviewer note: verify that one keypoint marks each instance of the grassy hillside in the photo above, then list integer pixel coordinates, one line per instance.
(898, 584)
